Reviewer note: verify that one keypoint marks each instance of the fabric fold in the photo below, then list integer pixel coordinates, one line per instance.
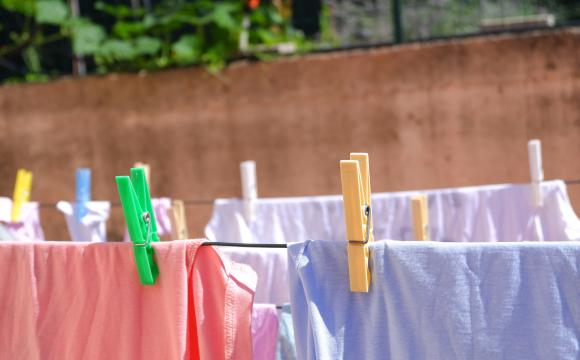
(27, 228)
(65, 300)
(92, 227)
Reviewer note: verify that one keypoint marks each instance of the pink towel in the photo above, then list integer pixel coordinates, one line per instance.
(63, 300)
(264, 331)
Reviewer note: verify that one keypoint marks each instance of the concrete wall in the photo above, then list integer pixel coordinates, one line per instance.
(431, 115)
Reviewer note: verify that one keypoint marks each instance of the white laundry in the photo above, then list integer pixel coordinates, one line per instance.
(470, 214)
(27, 228)
(93, 226)
(271, 266)
(162, 211)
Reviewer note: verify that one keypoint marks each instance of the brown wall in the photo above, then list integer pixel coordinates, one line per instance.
(441, 114)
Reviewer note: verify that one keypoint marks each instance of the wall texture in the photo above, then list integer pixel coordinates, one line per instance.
(441, 114)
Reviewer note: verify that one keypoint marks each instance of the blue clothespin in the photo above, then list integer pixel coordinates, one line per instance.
(83, 192)
(136, 202)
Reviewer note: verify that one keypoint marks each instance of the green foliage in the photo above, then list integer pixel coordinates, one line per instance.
(87, 37)
(51, 12)
(174, 33)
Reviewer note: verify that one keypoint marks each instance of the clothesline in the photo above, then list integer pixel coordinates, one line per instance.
(199, 202)
(246, 245)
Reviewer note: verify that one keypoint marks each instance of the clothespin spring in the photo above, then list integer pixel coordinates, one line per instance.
(369, 215)
(147, 219)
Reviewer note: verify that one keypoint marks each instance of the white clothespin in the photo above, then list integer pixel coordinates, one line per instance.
(420, 212)
(536, 170)
(249, 189)
(356, 195)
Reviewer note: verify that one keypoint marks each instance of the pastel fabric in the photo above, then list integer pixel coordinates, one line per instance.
(471, 214)
(93, 226)
(286, 348)
(64, 300)
(162, 211)
(26, 229)
(264, 331)
(443, 301)
(271, 266)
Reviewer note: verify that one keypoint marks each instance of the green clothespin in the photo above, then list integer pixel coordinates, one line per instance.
(136, 202)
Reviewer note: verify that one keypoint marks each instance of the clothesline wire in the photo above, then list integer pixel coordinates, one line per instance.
(201, 202)
(245, 245)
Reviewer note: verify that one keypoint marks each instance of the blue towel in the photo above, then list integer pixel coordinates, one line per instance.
(443, 301)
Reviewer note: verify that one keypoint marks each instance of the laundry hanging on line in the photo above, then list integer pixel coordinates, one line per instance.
(472, 214)
(84, 301)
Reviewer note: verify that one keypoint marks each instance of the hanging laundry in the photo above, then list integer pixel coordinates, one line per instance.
(264, 331)
(471, 214)
(65, 300)
(431, 300)
(271, 266)
(27, 228)
(224, 317)
(286, 348)
(162, 210)
(93, 225)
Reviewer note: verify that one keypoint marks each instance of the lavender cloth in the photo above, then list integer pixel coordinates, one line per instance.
(444, 301)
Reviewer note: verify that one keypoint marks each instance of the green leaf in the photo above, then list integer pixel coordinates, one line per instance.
(215, 58)
(118, 49)
(127, 29)
(51, 12)
(87, 37)
(32, 59)
(146, 45)
(187, 49)
(25, 7)
(119, 11)
(224, 18)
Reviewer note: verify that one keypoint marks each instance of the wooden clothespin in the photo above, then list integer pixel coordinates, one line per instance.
(83, 192)
(536, 170)
(420, 213)
(249, 189)
(356, 194)
(147, 170)
(136, 203)
(22, 188)
(178, 221)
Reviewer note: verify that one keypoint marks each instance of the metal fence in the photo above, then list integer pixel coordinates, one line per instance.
(358, 22)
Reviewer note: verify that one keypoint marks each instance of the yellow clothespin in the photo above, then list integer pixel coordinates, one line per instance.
(356, 194)
(147, 169)
(420, 213)
(22, 189)
(178, 220)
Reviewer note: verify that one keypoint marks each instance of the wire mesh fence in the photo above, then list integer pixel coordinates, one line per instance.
(355, 22)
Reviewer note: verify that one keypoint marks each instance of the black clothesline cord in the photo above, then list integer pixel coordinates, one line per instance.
(245, 245)
(204, 202)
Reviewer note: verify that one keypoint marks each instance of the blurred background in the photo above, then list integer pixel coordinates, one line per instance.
(441, 93)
